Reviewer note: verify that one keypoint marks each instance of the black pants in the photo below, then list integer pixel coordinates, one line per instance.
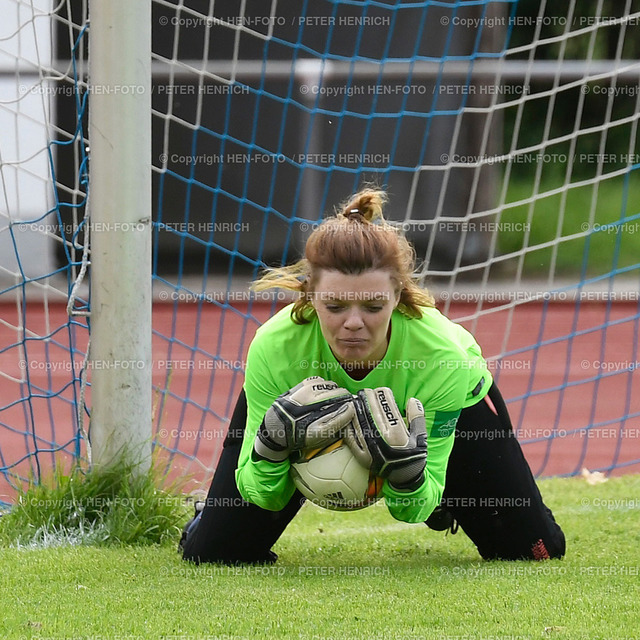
(490, 491)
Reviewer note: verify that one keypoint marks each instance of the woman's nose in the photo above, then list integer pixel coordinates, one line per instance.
(354, 320)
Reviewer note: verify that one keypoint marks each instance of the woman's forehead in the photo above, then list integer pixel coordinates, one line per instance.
(370, 280)
(349, 295)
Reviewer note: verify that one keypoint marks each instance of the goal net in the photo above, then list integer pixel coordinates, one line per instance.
(43, 187)
(504, 131)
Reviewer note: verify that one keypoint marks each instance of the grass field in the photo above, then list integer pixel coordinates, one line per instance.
(614, 232)
(360, 575)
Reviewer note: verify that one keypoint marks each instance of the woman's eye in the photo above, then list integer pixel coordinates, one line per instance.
(333, 308)
(374, 308)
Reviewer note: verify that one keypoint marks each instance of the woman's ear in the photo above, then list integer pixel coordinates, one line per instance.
(398, 295)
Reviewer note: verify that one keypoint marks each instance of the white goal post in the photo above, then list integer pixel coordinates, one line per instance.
(120, 224)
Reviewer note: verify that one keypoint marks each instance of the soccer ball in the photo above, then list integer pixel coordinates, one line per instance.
(334, 479)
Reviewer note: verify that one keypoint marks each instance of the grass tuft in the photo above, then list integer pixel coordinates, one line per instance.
(114, 506)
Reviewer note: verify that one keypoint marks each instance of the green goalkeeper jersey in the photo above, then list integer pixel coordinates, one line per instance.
(429, 358)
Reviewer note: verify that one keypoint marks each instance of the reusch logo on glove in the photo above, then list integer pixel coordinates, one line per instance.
(324, 387)
(388, 411)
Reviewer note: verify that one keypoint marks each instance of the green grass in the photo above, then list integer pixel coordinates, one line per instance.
(111, 506)
(607, 247)
(360, 575)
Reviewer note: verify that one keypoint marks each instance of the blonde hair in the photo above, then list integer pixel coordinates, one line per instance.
(356, 239)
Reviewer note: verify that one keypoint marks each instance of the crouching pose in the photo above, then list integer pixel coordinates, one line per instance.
(362, 342)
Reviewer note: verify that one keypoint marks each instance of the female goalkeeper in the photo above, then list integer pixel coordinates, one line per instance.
(371, 341)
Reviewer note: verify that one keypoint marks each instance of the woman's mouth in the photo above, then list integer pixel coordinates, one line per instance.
(352, 342)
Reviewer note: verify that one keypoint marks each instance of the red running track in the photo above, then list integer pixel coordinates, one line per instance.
(573, 386)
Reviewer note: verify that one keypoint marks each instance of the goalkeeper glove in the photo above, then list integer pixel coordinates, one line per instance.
(308, 416)
(380, 440)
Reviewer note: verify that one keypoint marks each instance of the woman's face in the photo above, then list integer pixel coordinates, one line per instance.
(354, 313)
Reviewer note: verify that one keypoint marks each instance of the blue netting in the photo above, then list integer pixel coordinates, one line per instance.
(342, 116)
(43, 349)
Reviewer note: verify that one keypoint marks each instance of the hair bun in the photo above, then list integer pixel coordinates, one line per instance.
(365, 205)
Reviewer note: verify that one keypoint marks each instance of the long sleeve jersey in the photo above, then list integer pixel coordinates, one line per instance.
(430, 358)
